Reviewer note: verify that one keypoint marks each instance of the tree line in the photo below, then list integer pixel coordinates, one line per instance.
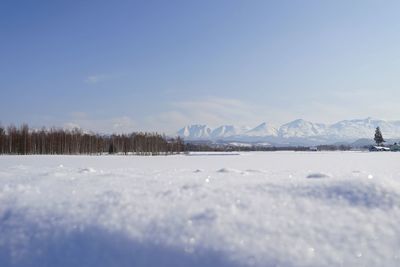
(203, 147)
(25, 141)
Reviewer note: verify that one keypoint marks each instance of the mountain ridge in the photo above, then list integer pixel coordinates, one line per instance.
(295, 132)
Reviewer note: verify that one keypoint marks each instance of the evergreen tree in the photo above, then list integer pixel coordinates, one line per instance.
(378, 137)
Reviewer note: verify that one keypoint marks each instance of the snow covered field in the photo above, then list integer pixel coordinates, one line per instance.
(253, 209)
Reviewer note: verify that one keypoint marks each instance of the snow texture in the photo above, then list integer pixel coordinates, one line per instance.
(253, 209)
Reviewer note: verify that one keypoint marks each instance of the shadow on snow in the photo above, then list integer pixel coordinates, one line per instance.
(100, 248)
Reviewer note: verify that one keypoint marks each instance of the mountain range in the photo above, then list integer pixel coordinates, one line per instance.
(297, 132)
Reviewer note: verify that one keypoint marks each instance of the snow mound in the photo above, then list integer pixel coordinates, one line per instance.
(358, 194)
(161, 213)
(87, 170)
(318, 175)
(253, 171)
(228, 170)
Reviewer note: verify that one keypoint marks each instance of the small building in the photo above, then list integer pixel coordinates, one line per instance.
(378, 148)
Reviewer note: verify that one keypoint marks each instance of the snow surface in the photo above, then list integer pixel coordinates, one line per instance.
(254, 209)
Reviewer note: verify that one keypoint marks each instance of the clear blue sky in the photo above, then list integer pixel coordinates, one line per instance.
(116, 66)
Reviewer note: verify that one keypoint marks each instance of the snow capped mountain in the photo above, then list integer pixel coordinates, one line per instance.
(225, 131)
(301, 128)
(295, 132)
(195, 132)
(263, 129)
(349, 129)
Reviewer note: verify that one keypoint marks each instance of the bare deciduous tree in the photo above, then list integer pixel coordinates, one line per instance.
(24, 140)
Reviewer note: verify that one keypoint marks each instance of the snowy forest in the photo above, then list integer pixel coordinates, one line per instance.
(24, 141)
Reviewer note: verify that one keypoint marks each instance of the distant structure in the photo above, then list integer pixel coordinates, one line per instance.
(379, 148)
(379, 143)
(395, 147)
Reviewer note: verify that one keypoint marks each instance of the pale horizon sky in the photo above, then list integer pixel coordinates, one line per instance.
(120, 66)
